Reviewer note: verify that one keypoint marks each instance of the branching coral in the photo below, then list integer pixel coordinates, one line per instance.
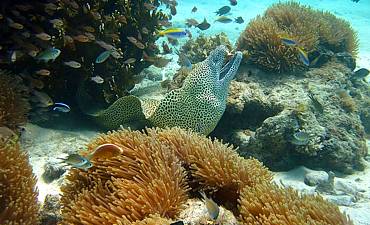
(81, 30)
(14, 104)
(266, 203)
(18, 194)
(198, 49)
(315, 32)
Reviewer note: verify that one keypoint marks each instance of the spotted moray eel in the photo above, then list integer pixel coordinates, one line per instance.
(197, 105)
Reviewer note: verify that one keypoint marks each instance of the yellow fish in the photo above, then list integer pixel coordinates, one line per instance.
(212, 207)
(303, 56)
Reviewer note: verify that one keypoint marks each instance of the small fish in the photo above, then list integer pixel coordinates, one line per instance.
(43, 99)
(184, 61)
(105, 151)
(90, 36)
(122, 19)
(97, 79)
(132, 40)
(174, 33)
(56, 23)
(43, 72)
(300, 138)
(116, 54)
(239, 20)
(81, 38)
(233, 2)
(77, 161)
(48, 54)
(288, 41)
(173, 10)
(104, 45)
(61, 107)
(43, 36)
(303, 57)
(51, 6)
(194, 9)
(223, 10)
(191, 22)
(14, 25)
(68, 39)
(318, 105)
(361, 73)
(204, 25)
(224, 19)
(96, 15)
(72, 64)
(129, 61)
(166, 48)
(102, 57)
(89, 29)
(140, 45)
(149, 6)
(212, 207)
(177, 223)
(160, 62)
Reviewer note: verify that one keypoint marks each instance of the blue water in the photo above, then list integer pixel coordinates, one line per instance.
(356, 13)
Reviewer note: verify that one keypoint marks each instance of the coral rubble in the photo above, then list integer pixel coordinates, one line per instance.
(317, 33)
(14, 105)
(18, 193)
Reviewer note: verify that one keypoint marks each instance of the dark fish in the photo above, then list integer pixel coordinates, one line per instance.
(177, 223)
(184, 61)
(166, 48)
(303, 57)
(361, 73)
(191, 22)
(61, 107)
(173, 10)
(355, 1)
(223, 10)
(300, 138)
(233, 2)
(239, 19)
(194, 9)
(316, 103)
(224, 19)
(204, 25)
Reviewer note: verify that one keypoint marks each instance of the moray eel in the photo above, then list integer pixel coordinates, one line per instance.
(197, 105)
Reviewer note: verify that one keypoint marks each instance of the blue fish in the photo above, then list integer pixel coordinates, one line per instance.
(102, 57)
(174, 33)
(303, 56)
(61, 107)
(48, 54)
(288, 41)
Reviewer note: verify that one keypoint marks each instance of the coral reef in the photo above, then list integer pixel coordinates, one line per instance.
(18, 194)
(152, 176)
(160, 169)
(81, 30)
(14, 105)
(317, 33)
(263, 115)
(268, 204)
(198, 49)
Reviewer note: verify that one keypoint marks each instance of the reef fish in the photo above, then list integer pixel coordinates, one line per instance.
(61, 107)
(223, 10)
(48, 54)
(194, 9)
(43, 36)
(204, 25)
(177, 223)
(361, 73)
(81, 38)
(77, 161)
(73, 64)
(105, 151)
(130, 60)
(97, 79)
(174, 33)
(191, 22)
(224, 19)
(288, 41)
(239, 19)
(102, 57)
(43, 99)
(303, 57)
(233, 2)
(212, 207)
(43, 72)
(300, 138)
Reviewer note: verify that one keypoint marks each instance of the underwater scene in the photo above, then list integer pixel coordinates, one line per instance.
(184, 112)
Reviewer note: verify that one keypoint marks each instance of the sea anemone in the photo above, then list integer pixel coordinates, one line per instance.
(14, 105)
(18, 193)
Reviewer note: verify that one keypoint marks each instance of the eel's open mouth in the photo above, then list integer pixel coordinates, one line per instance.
(230, 62)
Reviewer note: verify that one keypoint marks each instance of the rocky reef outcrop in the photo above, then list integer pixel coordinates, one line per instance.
(310, 118)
